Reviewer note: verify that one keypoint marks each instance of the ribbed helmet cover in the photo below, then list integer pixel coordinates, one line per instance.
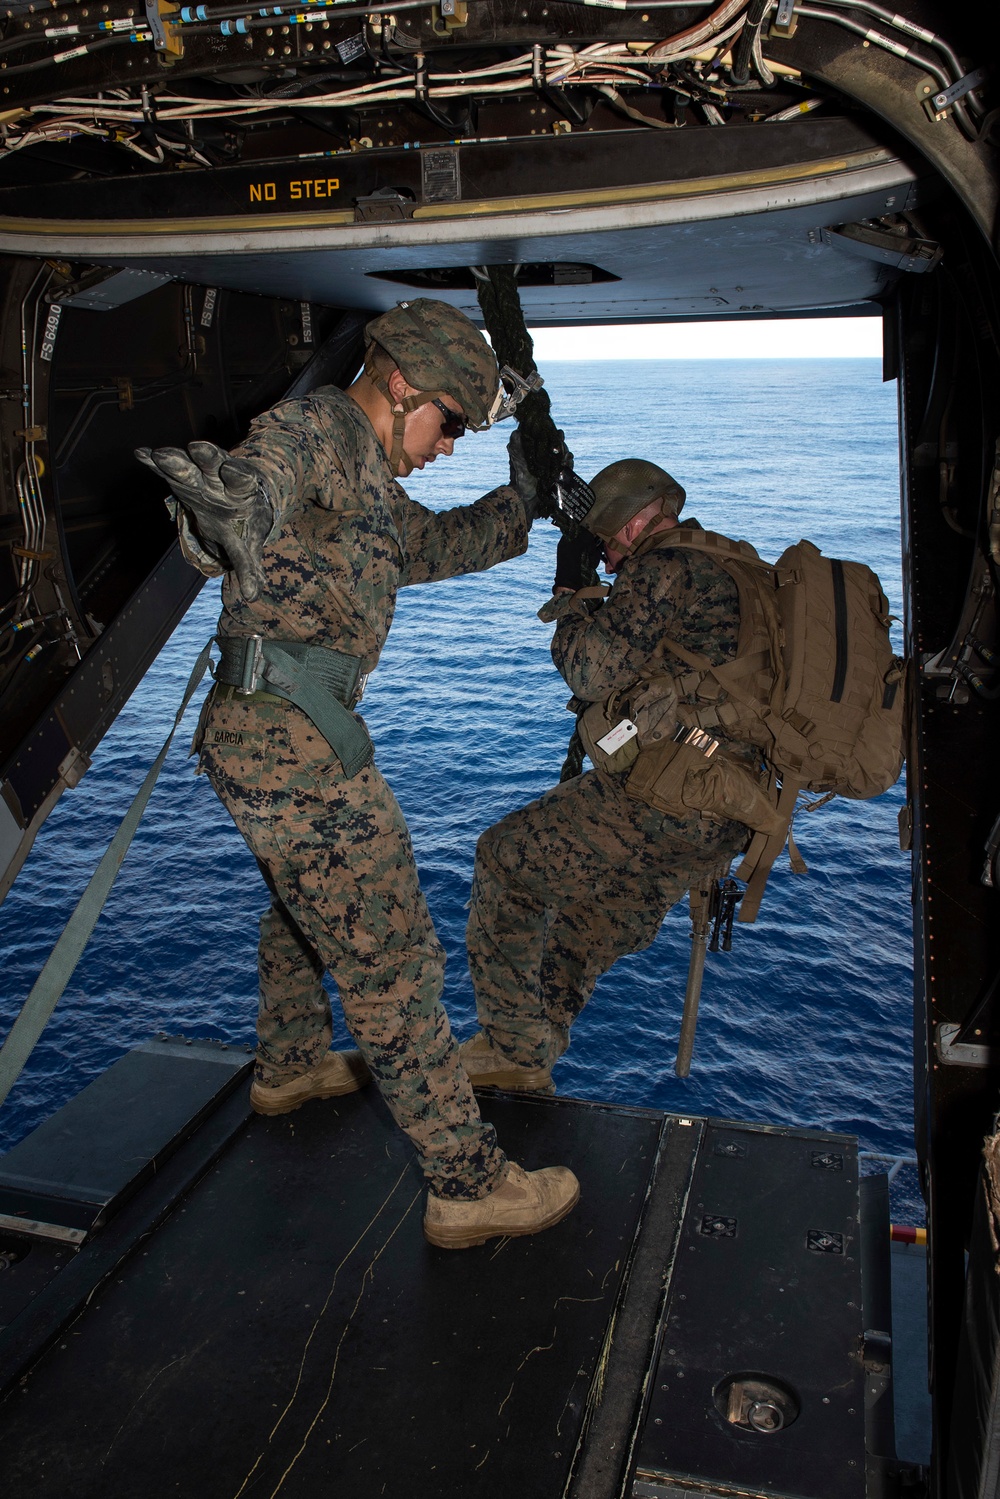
(437, 348)
(626, 487)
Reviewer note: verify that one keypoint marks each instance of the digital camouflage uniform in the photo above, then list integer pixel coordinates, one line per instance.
(336, 853)
(565, 886)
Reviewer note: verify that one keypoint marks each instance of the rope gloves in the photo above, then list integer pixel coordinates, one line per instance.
(523, 480)
(578, 552)
(226, 513)
(577, 557)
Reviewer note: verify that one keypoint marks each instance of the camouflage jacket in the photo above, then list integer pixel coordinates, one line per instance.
(603, 647)
(346, 536)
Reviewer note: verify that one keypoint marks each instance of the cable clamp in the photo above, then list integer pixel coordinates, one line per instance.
(164, 21)
(960, 89)
(784, 21)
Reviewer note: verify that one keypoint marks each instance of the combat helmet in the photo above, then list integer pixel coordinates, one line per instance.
(442, 353)
(623, 489)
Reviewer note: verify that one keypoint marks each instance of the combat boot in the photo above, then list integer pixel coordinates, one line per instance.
(489, 1068)
(339, 1072)
(525, 1202)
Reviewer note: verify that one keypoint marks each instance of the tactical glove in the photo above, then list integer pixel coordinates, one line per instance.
(226, 506)
(577, 557)
(523, 480)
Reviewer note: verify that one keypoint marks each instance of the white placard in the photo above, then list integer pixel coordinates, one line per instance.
(616, 737)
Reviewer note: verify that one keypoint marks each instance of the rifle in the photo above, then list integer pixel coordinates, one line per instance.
(711, 905)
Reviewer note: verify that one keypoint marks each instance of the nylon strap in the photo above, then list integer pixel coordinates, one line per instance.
(61, 963)
(316, 679)
(690, 658)
(592, 591)
(764, 849)
(345, 734)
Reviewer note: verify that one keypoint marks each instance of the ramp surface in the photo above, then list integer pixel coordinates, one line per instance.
(288, 1330)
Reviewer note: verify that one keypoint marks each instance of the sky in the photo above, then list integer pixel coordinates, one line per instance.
(786, 338)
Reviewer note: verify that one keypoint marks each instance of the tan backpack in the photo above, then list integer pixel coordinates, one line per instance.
(814, 685)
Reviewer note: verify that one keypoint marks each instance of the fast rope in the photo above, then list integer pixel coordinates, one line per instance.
(544, 444)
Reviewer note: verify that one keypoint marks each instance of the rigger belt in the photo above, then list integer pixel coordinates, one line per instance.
(325, 684)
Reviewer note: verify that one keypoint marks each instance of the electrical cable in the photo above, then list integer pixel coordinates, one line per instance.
(705, 31)
(600, 65)
(744, 49)
(634, 114)
(563, 64)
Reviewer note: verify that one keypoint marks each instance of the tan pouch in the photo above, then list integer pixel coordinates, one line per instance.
(653, 703)
(650, 704)
(657, 777)
(724, 788)
(198, 739)
(680, 778)
(594, 723)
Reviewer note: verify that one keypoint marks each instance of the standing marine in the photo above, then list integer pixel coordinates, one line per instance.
(565, 886)
(315, 535)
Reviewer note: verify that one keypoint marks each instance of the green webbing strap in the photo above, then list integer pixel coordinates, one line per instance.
(345, 734)
(62, 960)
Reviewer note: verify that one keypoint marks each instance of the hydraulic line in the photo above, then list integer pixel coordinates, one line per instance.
(198, 19)
(908, 54)
(74, 52)
(877, 39)
(191, 15)
(54, 33)
(27, 479)
(910, 28)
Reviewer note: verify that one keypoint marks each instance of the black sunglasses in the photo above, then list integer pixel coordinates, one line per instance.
(454, 422)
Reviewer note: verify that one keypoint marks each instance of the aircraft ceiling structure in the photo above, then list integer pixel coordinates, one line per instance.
(701, 223)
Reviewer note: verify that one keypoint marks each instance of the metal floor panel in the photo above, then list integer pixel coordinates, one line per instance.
(766, 1292)
(288, 1330)
(71, 1173)
(264, 1318)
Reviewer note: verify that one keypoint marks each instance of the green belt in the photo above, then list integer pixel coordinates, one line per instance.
(226, 691)
(323, 683)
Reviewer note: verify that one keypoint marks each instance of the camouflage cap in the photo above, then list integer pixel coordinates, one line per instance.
(623, 489)
(439, 350)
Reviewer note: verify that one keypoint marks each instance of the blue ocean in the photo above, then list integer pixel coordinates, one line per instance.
(808, 1021)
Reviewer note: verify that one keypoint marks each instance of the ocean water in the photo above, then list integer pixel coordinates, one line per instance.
(807, 1021)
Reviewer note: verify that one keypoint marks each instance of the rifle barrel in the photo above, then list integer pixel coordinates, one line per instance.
(692, 998)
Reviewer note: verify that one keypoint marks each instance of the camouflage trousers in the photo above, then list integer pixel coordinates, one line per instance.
(561, 890)
(345, 899)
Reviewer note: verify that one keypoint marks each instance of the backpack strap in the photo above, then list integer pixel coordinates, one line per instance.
(759, 646)
(764, 848)
(690, 658)
(714, 542)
